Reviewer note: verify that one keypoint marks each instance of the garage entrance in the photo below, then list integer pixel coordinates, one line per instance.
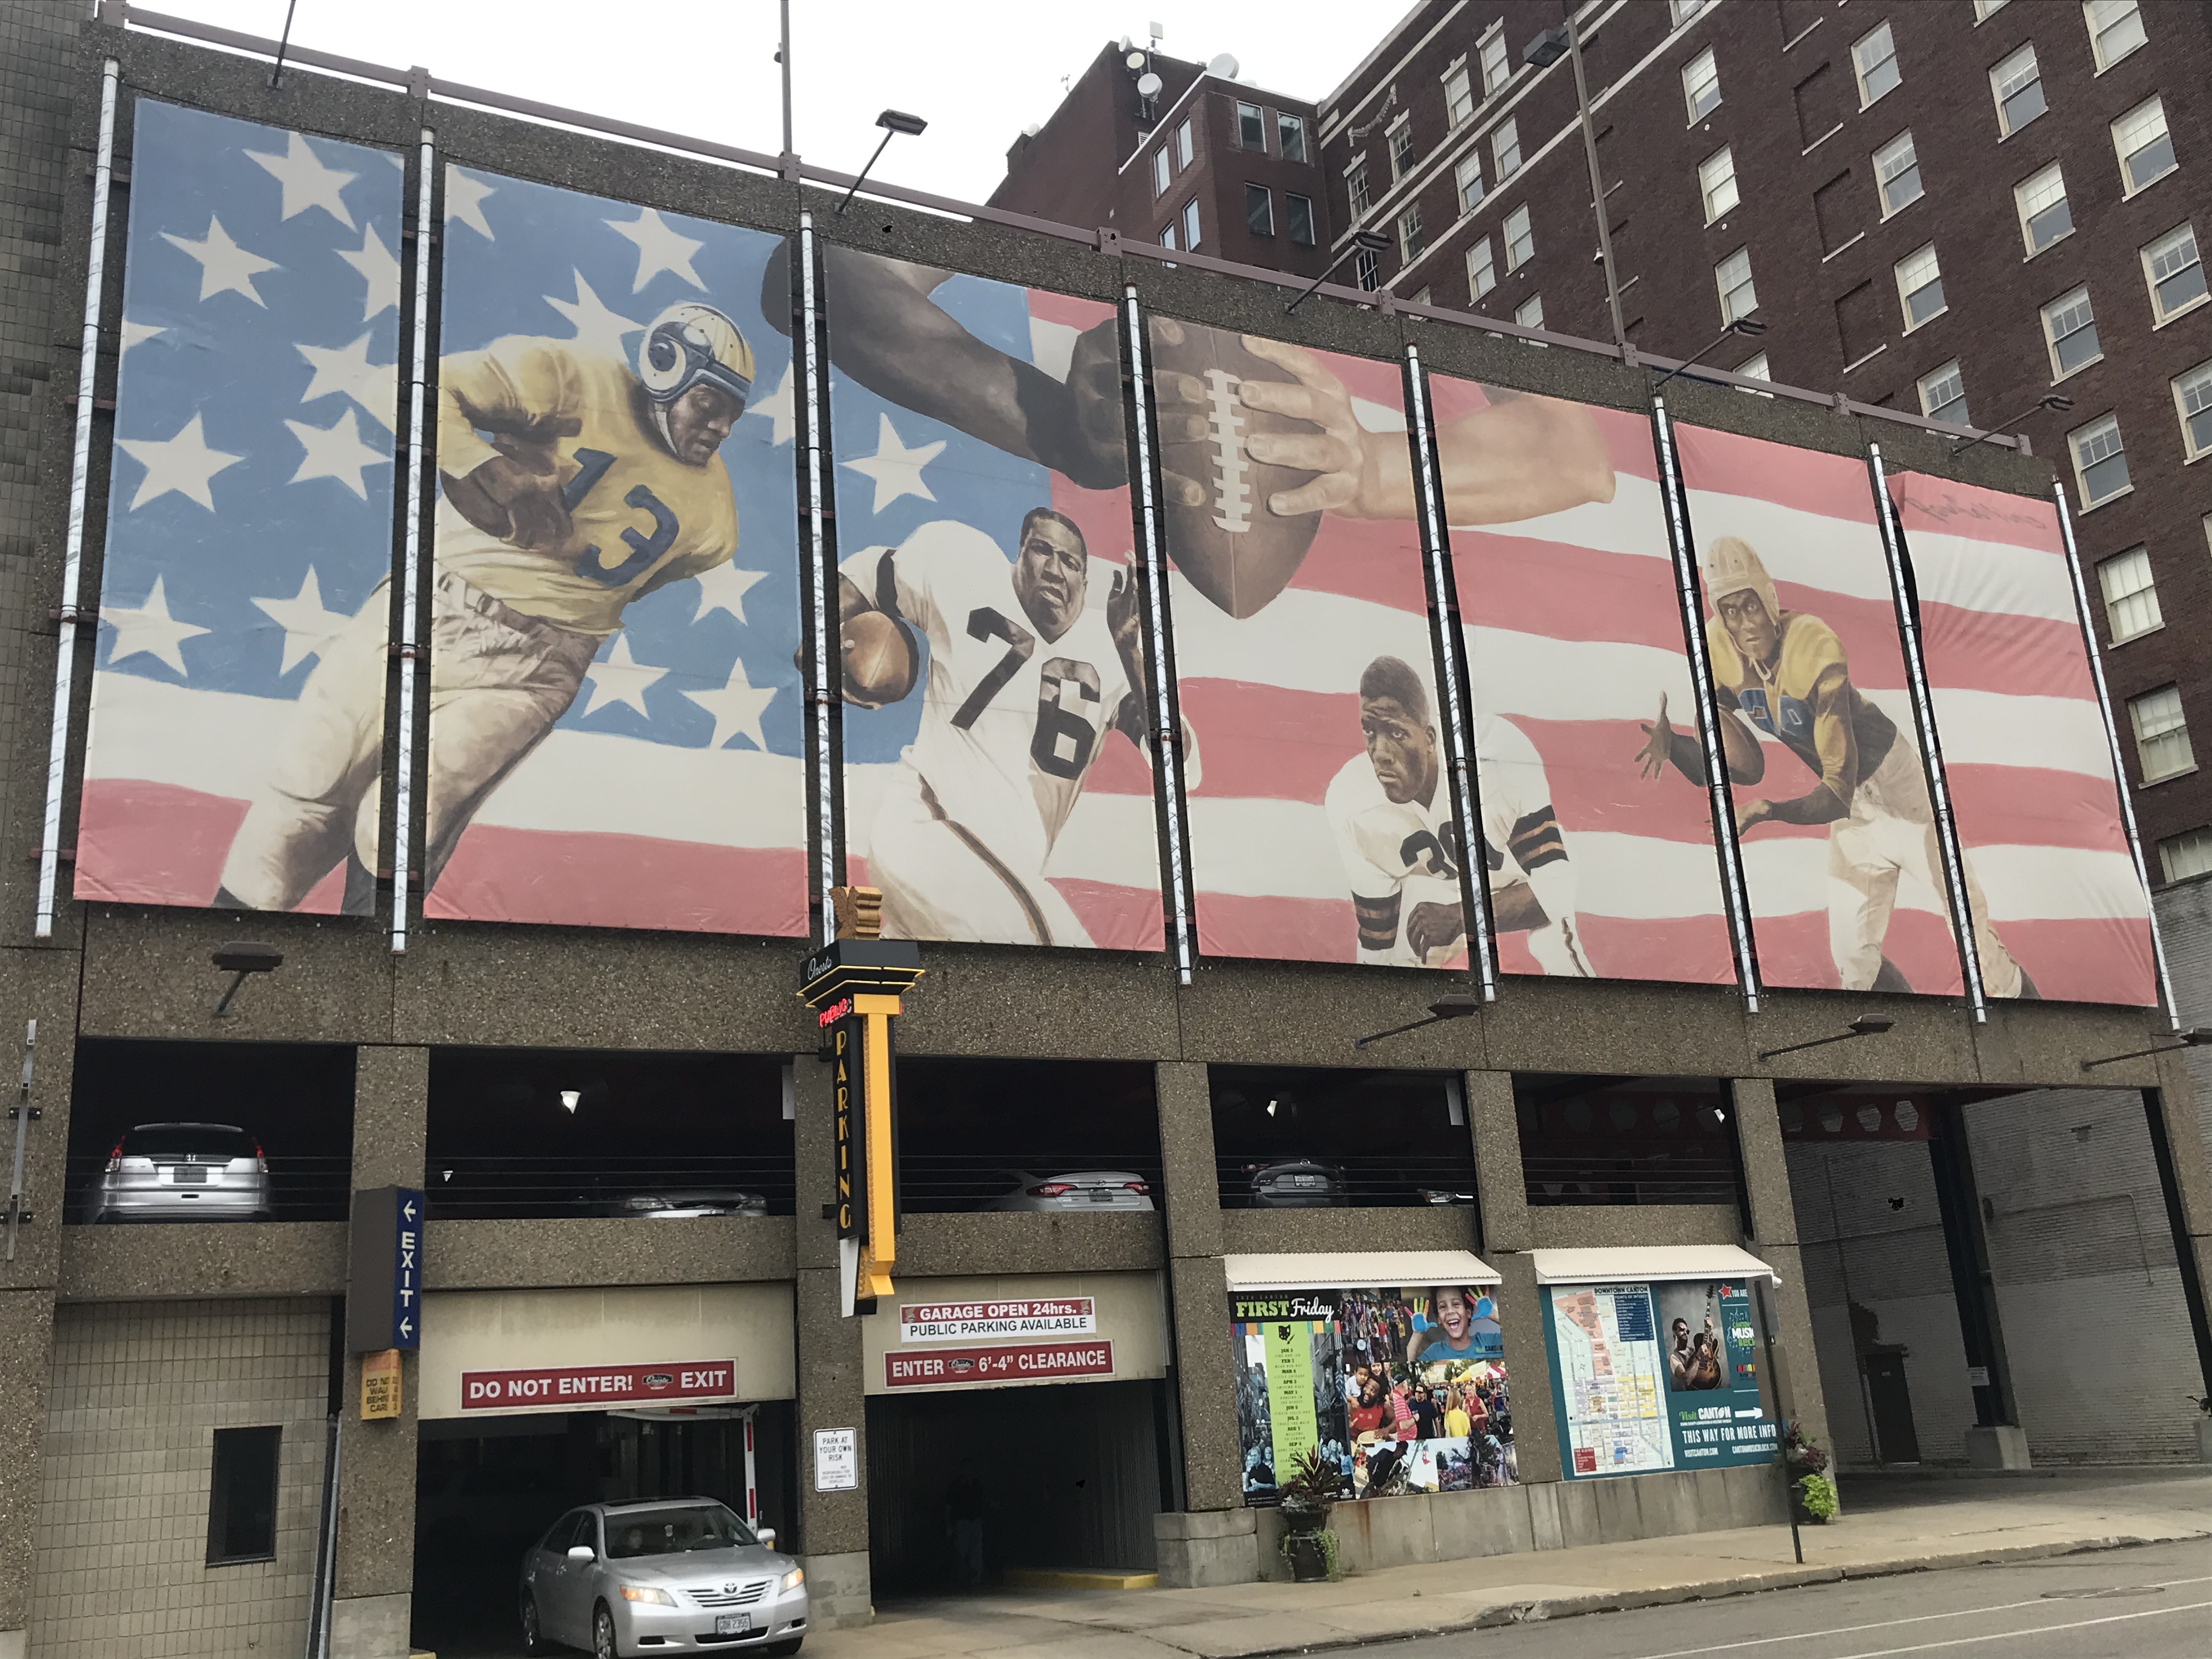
(485, 1491)
(967, 1487)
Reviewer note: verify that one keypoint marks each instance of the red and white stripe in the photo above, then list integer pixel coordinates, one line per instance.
(1810, 518)
(2024, 749)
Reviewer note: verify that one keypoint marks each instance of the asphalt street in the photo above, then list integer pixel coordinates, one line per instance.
(2154, 1602)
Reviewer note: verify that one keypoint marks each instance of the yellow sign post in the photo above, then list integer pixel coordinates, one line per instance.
(379, 1385)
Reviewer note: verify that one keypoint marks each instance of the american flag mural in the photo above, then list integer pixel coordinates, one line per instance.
(2024, 747)
(1857, 881)
(994, 787)
(249, 514)
(1574, 636)
(616, 715)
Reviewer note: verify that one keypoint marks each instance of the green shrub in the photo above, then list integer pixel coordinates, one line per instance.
(1818, 1496)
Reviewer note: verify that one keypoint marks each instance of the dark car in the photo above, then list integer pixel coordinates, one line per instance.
(182, 1172)
(1296, 1183)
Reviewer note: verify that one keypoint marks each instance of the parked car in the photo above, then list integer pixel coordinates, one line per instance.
(1084, 1189)
(1296, 1183)
(618, 1579)
(1445, 1194)
(684, 1205)
(183, 1172)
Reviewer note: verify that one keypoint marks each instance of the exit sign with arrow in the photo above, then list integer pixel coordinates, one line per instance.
(384, 1272)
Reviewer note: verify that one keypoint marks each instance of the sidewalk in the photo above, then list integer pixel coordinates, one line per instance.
(1893, 1525)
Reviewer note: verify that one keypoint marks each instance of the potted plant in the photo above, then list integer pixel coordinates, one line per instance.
(1812, 1494)
(2204, 1404)
(1307, 1496)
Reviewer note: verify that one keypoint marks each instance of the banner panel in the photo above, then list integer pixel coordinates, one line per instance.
(1574, 638)
(2058, 911)
(997, 786)
(1836, 821)
(238, 695)
(1321, 826)
(615, 714)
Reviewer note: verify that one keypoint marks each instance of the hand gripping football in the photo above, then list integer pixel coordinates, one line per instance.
(1220, 533)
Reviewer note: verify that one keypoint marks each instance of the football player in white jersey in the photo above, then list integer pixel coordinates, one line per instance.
(573, 485)
(1391, 811)
(1030, 669)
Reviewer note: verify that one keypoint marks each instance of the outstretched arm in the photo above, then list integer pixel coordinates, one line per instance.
(1746, 762)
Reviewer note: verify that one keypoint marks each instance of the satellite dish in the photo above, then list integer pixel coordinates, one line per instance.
(1031, 130)
(1148, 86)
(1133, 61)
(1226, 65)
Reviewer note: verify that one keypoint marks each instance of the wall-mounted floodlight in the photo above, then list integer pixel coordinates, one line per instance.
(1744, 326)
(1458, 1005)
(2195, 1038)
(1864, 1025)
(893, 122)
(1547, 49)
(2056, 402)
(1363, 241)
(238, 961)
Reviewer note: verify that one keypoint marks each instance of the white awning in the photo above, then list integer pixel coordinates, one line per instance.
(1352, 1270)
(1642, 1264)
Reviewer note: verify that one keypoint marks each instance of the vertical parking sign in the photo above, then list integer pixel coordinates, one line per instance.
(384, 1271)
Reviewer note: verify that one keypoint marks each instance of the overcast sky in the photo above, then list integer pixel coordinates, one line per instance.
(978, 71)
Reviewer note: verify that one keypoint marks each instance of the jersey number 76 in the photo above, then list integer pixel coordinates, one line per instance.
(1063, 741)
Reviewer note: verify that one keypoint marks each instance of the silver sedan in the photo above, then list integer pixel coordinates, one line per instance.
(680, 1574)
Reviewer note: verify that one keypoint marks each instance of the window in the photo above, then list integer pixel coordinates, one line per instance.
(1459, 96)
(1530, 314)
(2174, 272)
(1733, 277)
(1874, 60)
(1717, 183)
(1163, 171)
(1468, 177)
(1184, 145)
(1401, 149)
(1481, 271)
(1685, 9)
(1251, 130)
(1506, 150)
(2070, 326)
(2146, 149)
(1412, 241)
(2192, 399)
(1290, 136)
(2189, 853)
(1355, 186)
(1259, 210)
(2161, 734)
(1754, 369)
(2116, 29)
(2101, 460)
(1167, 237)
(1701, 85)
(1496, 66)
(2044, 215)
(1367, 269)
(1520, 238)
(1920, 287)
(1299, 211)
(2017, 85)
(2130, 598)
(1984, 9)
(242, 1496)
(1190, 223)
(1943, 395)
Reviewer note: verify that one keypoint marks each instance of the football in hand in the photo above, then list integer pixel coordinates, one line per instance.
(877, 656)
(1228, 544)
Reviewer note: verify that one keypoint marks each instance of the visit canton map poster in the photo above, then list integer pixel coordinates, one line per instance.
(615, 715)
(237, 688)
(993, 656)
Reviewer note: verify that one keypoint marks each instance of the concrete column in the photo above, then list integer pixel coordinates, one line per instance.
(1508, 1235)
(830, 1533)
(2176, 1116)
(375, 1568)
(1498, 1183)
(27, 1338)
(1796, 1378)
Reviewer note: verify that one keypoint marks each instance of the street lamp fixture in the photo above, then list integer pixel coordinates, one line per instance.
(1547, 49)
(1363, 241)
(1458, 1005)
(238, 961)
(893, 122)
(2195, 1038)
(1744, 326)
(1864, 1025)
(2056, 402)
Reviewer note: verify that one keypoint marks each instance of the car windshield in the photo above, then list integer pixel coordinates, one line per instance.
(673, 1531)
(180, 1139)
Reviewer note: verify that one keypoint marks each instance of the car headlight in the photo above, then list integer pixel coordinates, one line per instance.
(794, 1578)
(648, 1593)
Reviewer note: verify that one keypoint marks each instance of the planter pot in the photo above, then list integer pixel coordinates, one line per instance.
(1308, 1557)
(1299, 1518)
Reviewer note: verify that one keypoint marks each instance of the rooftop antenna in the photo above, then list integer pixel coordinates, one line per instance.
(284, 43)
(1226, 65)
(1159, 34)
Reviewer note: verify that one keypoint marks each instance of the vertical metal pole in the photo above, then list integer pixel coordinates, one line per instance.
(87, 370)
(1597, 182)
(1931, 747)
(1782, 1418)
(1465, 804)
(1167, 747)
(818, 579)
(1709, 732)
(783, 59)
(2112, 743)
(410, 560)
(752, 1469)
(23, 1114)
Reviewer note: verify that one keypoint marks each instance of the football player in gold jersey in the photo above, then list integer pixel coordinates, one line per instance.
(575, 484)
(1785, 673)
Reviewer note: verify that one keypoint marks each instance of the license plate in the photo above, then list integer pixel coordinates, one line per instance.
(1100, 1198)
(732, 1624)
(187, 1175)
